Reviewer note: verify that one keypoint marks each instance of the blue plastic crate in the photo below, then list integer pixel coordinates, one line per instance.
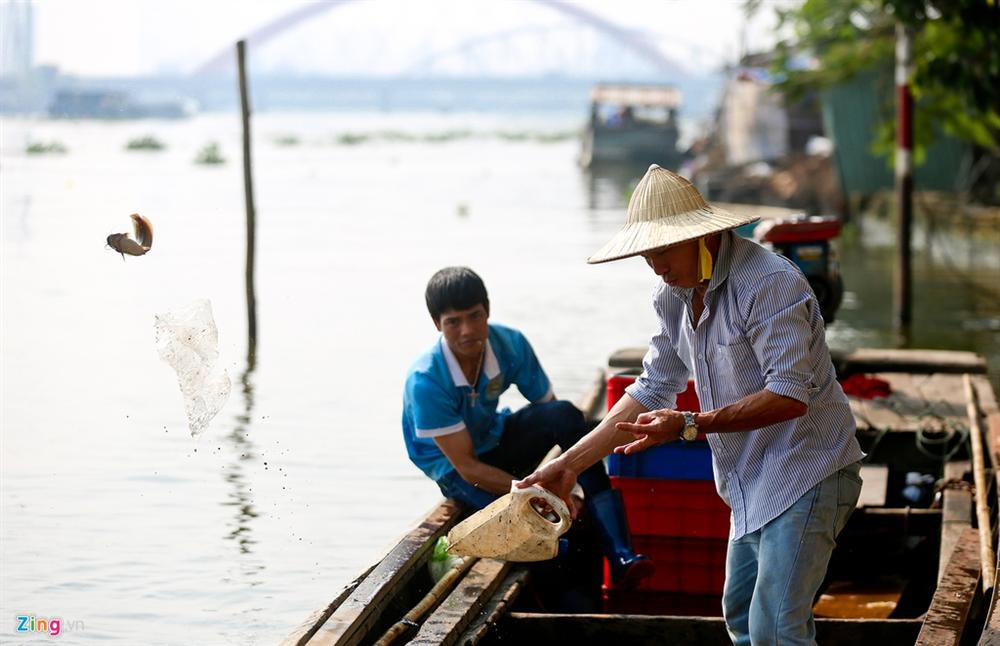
(673, 461)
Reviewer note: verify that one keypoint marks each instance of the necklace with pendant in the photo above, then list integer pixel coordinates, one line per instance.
(479, 368)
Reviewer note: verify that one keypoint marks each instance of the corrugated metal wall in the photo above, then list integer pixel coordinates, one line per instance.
(849, 116)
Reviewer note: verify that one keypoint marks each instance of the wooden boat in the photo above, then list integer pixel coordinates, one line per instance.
(900, 574)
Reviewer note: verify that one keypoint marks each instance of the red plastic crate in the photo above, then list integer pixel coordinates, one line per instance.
(649, 602)
(680, 508)
(687, 400)
(688, 565)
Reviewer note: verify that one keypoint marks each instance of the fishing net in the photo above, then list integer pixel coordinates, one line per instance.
(188, 340)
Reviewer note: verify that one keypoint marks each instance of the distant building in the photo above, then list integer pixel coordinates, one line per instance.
(110, 104)
(24, 88)
(17, 39)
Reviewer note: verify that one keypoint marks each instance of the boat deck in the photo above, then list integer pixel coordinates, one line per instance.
(922, 425)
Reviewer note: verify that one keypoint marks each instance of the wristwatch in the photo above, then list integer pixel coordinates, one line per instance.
(690, 431)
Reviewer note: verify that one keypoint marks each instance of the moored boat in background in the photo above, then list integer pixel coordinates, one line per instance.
(633, 124)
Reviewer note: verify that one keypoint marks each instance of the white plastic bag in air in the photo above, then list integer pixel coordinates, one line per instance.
(188, 340)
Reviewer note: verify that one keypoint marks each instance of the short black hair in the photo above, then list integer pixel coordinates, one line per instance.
(455, 288)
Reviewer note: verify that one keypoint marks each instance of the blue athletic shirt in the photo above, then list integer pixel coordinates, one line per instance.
(438, 399)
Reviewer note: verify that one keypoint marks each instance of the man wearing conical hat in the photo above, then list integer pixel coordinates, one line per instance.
(743, 323)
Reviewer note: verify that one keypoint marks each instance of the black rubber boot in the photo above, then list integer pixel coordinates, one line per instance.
(627, 568)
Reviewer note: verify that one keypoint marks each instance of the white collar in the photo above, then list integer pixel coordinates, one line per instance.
(490, 364)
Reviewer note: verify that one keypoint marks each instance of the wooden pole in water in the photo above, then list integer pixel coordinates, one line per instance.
(986, 559)
(904, 180)
(251, 217)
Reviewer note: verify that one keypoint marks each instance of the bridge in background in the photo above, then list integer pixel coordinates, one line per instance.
(636, 44)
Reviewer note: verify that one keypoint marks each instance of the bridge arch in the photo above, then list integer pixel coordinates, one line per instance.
(224, 59)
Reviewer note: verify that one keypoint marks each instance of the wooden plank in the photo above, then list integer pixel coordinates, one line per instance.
(638, 630)
(988, 403)
(956, 511)
(879, 415)
(940, 394)
(591, 399)
(987, 397)
(945, 619)
(991, 409)
(991, 631)
(917, 403)
(459, 608)
(993, 433)
(759, 210)
(504, 597)
(627, 358)
(308, 628)
(351, 621)
(931, 400)
(875, 478)
(987, 557)
(862, 360)
(916, 361)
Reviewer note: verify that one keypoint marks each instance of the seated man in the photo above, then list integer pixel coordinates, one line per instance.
(455, 434)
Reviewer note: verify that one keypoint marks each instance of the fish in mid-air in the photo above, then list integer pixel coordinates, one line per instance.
(137, 245)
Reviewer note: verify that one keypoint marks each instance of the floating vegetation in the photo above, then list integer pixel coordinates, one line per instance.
(538, 137)
(210, 155)
(449, 135)
(445, 136)
(149, 142)
(286, 141)
(513, 136)
(555, 137)
(351, 139)
(46, 148)
(397, 136)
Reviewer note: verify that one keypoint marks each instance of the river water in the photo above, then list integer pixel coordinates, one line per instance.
(118, 522)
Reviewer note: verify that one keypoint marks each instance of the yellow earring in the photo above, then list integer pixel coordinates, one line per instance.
(704, 261)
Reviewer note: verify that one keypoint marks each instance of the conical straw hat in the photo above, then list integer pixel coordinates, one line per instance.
(665, 210)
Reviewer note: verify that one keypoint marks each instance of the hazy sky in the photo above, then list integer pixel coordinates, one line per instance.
(126, 37)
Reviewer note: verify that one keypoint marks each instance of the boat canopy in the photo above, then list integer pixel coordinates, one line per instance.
(637, 95)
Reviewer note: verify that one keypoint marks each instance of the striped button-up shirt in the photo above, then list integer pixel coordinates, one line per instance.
(761, 328)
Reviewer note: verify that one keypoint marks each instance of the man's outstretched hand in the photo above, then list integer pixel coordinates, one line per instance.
(651, 429)
(557, 478)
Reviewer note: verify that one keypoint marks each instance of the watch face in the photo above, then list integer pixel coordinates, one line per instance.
(689, 433)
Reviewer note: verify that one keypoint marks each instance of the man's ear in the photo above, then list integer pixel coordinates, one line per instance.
(437, 322)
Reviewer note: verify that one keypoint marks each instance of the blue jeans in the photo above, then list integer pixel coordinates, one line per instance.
(527, 436)
(773, 574)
